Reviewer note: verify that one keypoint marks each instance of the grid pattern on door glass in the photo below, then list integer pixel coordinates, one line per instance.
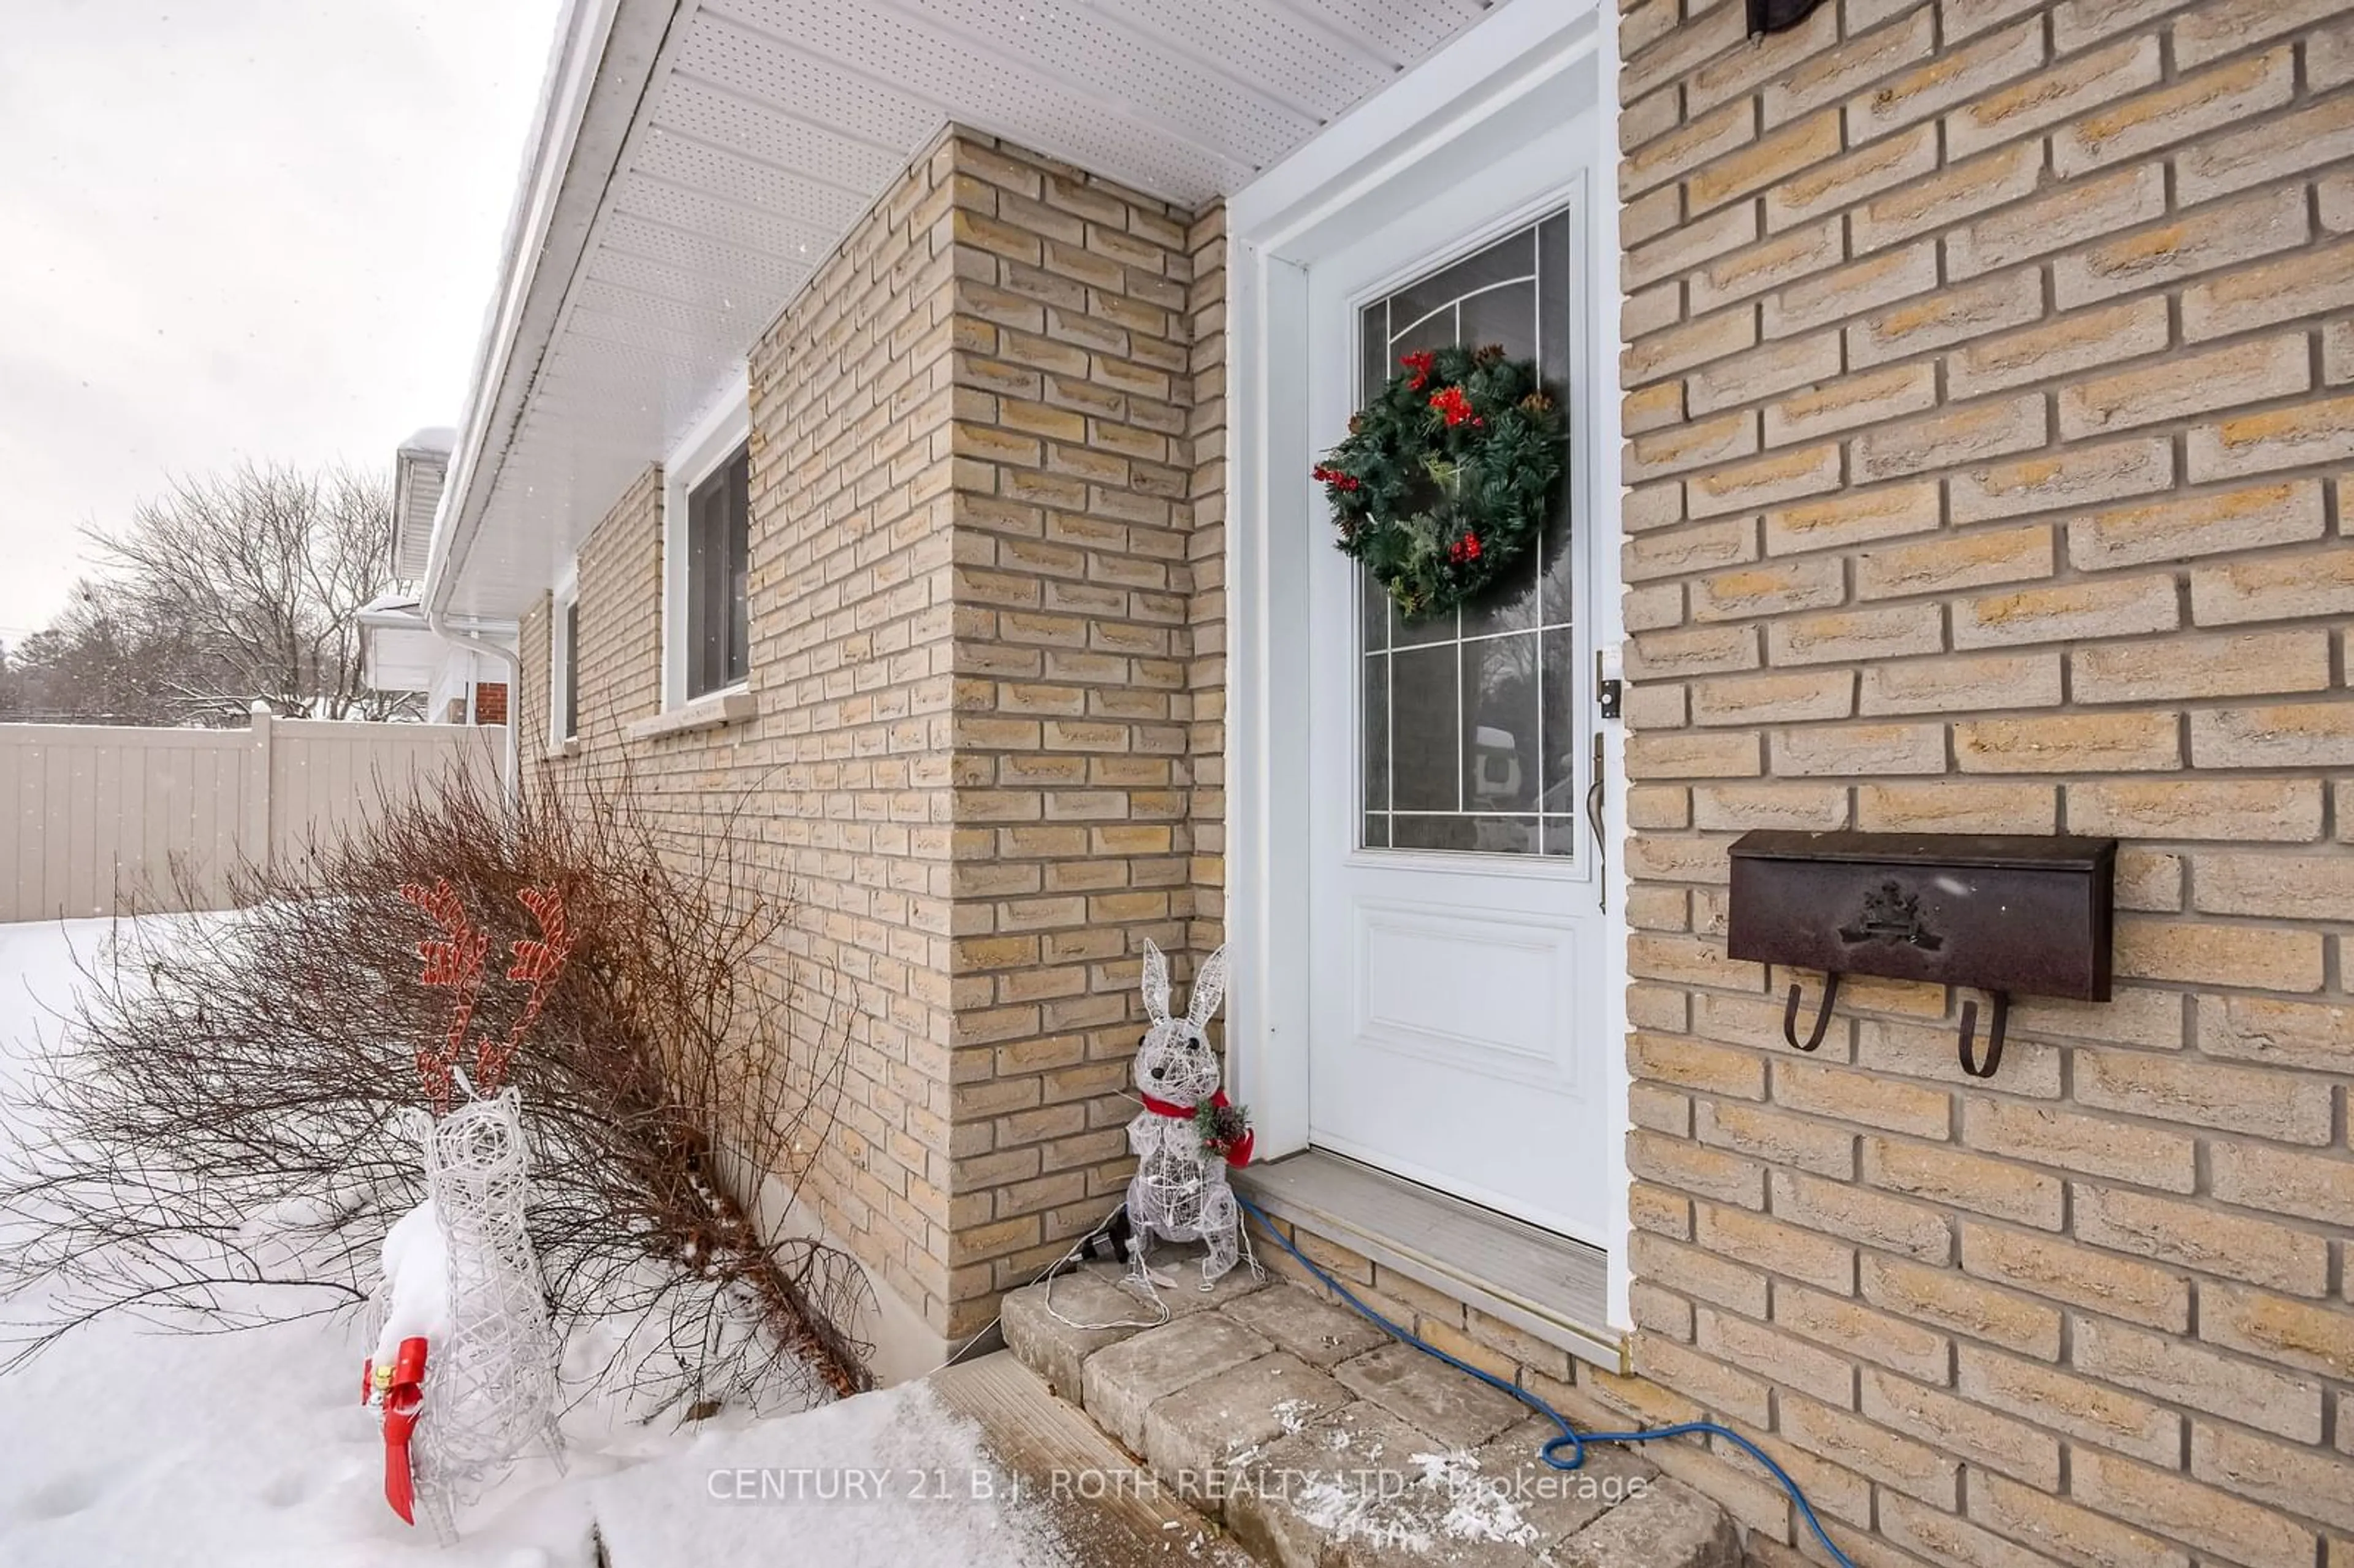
(1470, 735)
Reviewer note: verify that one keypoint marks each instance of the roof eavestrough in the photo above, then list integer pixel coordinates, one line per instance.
(604, 58)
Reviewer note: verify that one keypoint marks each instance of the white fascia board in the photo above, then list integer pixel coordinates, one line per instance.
(598, 75)
(399, 618)
(393, 619)
(1430, 104)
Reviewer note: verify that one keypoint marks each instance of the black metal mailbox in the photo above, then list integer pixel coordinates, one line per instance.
(2000, 913)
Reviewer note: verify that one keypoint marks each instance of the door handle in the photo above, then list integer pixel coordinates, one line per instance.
(1594, 815)
(1608, 689)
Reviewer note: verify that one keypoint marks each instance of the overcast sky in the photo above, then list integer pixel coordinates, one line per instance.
(237, 226)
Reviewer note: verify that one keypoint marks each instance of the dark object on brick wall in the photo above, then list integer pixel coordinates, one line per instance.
(2000, 913)
(1777, 16)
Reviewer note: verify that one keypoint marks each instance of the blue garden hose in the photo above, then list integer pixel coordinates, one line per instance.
(1570, 1439)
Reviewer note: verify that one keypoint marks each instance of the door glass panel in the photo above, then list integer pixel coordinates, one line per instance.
(1425, 731)
(1375, 616)
(1506, 314)
(1562, 733)
(1500, 724)
(1472, 733)
(1377, 732)
(1508, 260)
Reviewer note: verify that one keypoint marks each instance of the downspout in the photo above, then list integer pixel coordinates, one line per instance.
(437, 620)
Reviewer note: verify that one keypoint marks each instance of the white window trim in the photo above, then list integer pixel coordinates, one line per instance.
(563, 659)
(710, 441)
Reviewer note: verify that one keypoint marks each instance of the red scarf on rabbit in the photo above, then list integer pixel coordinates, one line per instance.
(1237, 1153)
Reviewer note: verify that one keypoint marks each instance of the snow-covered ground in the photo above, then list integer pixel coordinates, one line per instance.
(127, 1446)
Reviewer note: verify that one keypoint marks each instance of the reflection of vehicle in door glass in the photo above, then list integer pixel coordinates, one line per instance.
(1494, 781)
(1495, 768)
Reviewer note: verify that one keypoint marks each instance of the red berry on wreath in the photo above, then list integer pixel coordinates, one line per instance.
(1452, 402)
(1420, 364)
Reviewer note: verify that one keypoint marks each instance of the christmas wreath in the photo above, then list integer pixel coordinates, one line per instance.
(1445, 479)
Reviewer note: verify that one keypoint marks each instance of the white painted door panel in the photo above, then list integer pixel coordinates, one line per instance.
(1469, 989)
(1457, 1027)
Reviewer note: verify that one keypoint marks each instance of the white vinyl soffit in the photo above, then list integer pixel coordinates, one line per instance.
(773, 125)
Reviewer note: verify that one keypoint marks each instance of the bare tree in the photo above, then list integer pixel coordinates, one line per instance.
(99, 661)
(230, 587)
(262, 569)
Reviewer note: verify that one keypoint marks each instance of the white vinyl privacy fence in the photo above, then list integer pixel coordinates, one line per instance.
(109, 816)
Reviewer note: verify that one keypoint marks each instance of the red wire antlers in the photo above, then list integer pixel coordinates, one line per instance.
(537, 963)
(455, 960)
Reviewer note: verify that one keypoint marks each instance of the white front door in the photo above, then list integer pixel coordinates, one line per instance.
(1457, 942)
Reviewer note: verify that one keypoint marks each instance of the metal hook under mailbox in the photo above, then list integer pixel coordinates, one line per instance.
(1822, 1018)
(1994, 1034)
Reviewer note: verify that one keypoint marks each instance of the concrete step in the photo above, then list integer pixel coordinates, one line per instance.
(1056, 1461)
(1321, 1443)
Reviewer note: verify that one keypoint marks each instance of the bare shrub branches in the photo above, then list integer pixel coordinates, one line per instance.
(218, 1141)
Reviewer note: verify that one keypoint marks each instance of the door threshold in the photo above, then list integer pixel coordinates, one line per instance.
(1543, 1283)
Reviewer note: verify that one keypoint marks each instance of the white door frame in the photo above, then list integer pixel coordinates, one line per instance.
(1503, 77)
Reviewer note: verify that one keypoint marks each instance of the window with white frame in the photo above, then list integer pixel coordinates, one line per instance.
(706, 555)
(718, 576)
(563, 661)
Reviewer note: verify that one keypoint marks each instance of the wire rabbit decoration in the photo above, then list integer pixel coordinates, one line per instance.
(1180, 1191)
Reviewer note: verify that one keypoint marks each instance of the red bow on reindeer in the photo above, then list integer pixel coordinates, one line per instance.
(400, 1388)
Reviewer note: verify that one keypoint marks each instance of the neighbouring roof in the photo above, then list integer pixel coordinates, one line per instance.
(419, 468)
(398, 653)
(401, 653)
(691, 166)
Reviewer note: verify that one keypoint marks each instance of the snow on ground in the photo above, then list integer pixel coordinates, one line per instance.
(891, 1480)
(127, 1447)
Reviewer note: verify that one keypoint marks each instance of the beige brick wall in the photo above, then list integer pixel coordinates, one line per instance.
(971, 659)
(620, 587)
(1990, 383)
(1073, 491)
(532, 691)
(837, 788)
